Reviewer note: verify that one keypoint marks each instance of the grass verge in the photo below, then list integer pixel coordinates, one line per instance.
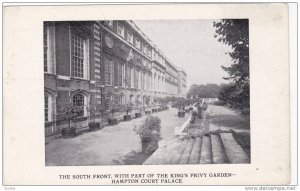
(243, 139)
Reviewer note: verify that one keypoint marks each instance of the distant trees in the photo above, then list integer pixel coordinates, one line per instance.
(235, 34)
(204, 91)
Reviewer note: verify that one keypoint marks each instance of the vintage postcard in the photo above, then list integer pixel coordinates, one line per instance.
(169, 94)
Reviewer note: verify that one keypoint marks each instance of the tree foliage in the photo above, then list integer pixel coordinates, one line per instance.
(235, 34)
(149, 131)
(69, 112)
(128, 107)
(235, 97)
(204, 91)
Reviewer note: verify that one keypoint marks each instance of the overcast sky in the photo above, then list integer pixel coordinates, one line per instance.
(190, 44)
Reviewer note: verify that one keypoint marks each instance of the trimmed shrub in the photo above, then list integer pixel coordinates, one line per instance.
(149, 132)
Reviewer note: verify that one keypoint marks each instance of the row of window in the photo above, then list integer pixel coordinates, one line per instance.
(127, 76)
(158, 57)
(130, 38)
(135, 41)
(80, 100)
(80, 63)
(171, 70)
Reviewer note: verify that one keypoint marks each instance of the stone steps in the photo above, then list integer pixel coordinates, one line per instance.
(184, 159)
(195, 154)
(211, 148)
(206, 155)
(179, 152)
(233, 150)
(218, 153)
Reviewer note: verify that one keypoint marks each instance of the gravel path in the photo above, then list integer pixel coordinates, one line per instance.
(107, 146)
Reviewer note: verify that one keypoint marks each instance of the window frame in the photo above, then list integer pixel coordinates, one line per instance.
(121, 26)
(83, 101)
(121, 99)
(138, 45)
(108, 63)
(46, 32)
(148, 51)
(85, 58)
(108, 98)
(120, 75)
(46, 108)
(50, 108)
(132, 76)
(131, 39)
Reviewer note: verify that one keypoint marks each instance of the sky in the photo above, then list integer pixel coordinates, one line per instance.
(190, 44)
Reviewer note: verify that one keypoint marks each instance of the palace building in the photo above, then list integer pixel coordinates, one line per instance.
(104, 62)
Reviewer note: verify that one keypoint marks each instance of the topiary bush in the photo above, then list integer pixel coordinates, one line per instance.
(128, 107)
(69, 112)
(149, 132)
(95, 109)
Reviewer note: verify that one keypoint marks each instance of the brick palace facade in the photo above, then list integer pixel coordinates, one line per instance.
(104, 62)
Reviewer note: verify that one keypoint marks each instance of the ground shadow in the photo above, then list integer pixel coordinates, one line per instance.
(133, 158)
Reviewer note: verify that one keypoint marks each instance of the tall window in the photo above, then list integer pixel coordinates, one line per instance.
(128, 76)
(78, 100)
(149, 82)
(108, 63)
(144, 49)
(121, 99)
(130, 37)
(108, 100)
(139, 79)
(46, 48)
(143, 80)
(154, 55)
(120, 74)
(148, 51)
(79, 57)
(120, 30)
(46, 104)
(146, 81)
(132, 77)
(138, 43)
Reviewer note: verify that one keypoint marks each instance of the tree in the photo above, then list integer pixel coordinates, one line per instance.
(128, 107)
(149, 133)
(115, 107)
(95, 109)
(235, 34)
(68, 112)
(138, 104)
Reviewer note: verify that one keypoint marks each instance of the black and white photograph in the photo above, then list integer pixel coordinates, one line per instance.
(146, 92)
(150, 94)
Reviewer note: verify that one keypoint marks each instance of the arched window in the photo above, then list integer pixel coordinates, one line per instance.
(78, 100)
(48, 108)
